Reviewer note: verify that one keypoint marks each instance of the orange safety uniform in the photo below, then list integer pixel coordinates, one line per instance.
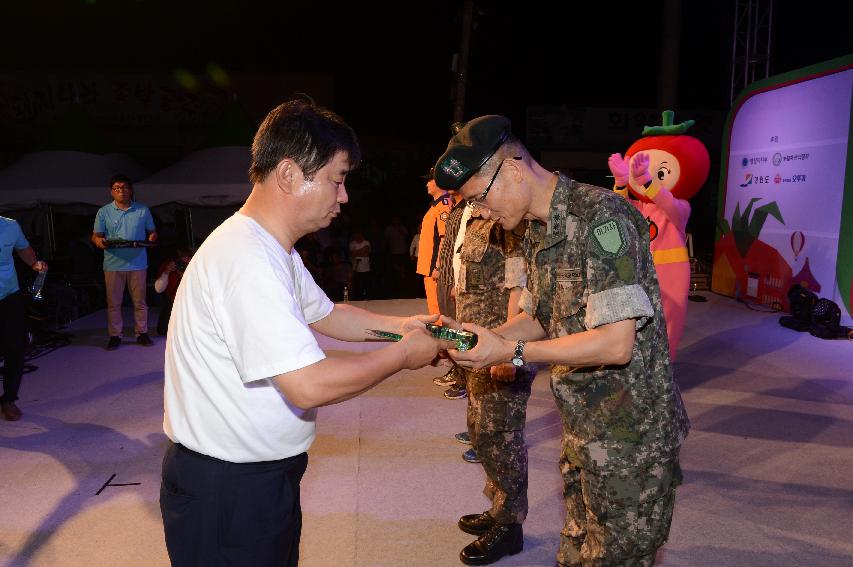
(432, 231)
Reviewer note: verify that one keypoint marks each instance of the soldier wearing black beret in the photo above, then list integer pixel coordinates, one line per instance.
(592, 311)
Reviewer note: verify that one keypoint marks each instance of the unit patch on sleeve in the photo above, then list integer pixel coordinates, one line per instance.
(610, 237)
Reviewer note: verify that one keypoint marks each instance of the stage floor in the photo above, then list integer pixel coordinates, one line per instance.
(767, 464)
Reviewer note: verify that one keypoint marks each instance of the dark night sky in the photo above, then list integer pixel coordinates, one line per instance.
(391, 64)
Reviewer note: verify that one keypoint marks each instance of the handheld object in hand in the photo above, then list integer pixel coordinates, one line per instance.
(38, 285)
(465, 340)
(122, 243)
(384, 335)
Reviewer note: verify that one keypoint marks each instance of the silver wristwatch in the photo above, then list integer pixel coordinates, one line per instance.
(518, 357)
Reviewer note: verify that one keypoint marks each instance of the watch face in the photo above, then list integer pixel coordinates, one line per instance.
(518, 362)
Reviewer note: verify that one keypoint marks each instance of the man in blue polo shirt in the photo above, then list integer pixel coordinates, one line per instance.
(124, 219)
(13, 313)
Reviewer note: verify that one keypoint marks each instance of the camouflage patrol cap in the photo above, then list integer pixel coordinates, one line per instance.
(470, 148)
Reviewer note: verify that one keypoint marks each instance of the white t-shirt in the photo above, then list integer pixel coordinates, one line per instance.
(360, 263)
(240, 317)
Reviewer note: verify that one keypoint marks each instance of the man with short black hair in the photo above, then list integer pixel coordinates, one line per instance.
(592, 310)
(121, 230)
(243, 369)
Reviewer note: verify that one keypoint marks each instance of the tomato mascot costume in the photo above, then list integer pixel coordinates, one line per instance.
(662, 170)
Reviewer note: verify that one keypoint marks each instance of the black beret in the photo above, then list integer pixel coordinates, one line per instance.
(470, 148)
(430, 175)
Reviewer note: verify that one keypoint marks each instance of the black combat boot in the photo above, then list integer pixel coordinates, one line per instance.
(500, 540)
(476, 524)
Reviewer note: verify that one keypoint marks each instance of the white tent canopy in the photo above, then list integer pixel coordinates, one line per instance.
(63, 177)
(210, 177)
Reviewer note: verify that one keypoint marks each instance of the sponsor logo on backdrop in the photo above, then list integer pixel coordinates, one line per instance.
(777, 159)
(750, 179)
(757, 160)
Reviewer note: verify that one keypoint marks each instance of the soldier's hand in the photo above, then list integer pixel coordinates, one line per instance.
(101, 242)
(491, 349)
(420, 348)
(417, 322)
(450, 322)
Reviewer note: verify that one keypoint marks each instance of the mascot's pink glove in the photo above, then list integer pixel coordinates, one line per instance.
(619, 169)
(640, 168)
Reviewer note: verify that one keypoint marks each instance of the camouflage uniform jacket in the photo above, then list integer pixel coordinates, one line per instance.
(492, 263)
(446, 303)
(591, 266)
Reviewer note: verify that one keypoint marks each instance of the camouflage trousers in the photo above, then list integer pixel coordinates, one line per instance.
(496, 415)
(618, 517)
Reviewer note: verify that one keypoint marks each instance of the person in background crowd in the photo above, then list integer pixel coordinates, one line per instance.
(310, 265)
(413, 282)
(379, 261)
(413, 247)
(13, 313)
(337, 275)
(168, 278)
(396, 238)
(359, 252)
(124, 219)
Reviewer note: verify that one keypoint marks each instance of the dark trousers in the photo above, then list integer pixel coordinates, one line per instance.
(165, 315)
(360, 286)
(217, 513)
(13, 343)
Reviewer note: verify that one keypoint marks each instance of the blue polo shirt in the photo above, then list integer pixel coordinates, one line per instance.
(11, 237)
(132, 224)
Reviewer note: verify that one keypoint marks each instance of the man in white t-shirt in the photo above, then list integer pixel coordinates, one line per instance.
(243, 369)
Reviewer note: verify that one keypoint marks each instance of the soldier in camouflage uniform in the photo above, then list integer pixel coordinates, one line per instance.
(492, 274)
(592, 310)
(455, 377)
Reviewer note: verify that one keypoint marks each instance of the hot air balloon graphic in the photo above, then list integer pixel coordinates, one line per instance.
(798, 240)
